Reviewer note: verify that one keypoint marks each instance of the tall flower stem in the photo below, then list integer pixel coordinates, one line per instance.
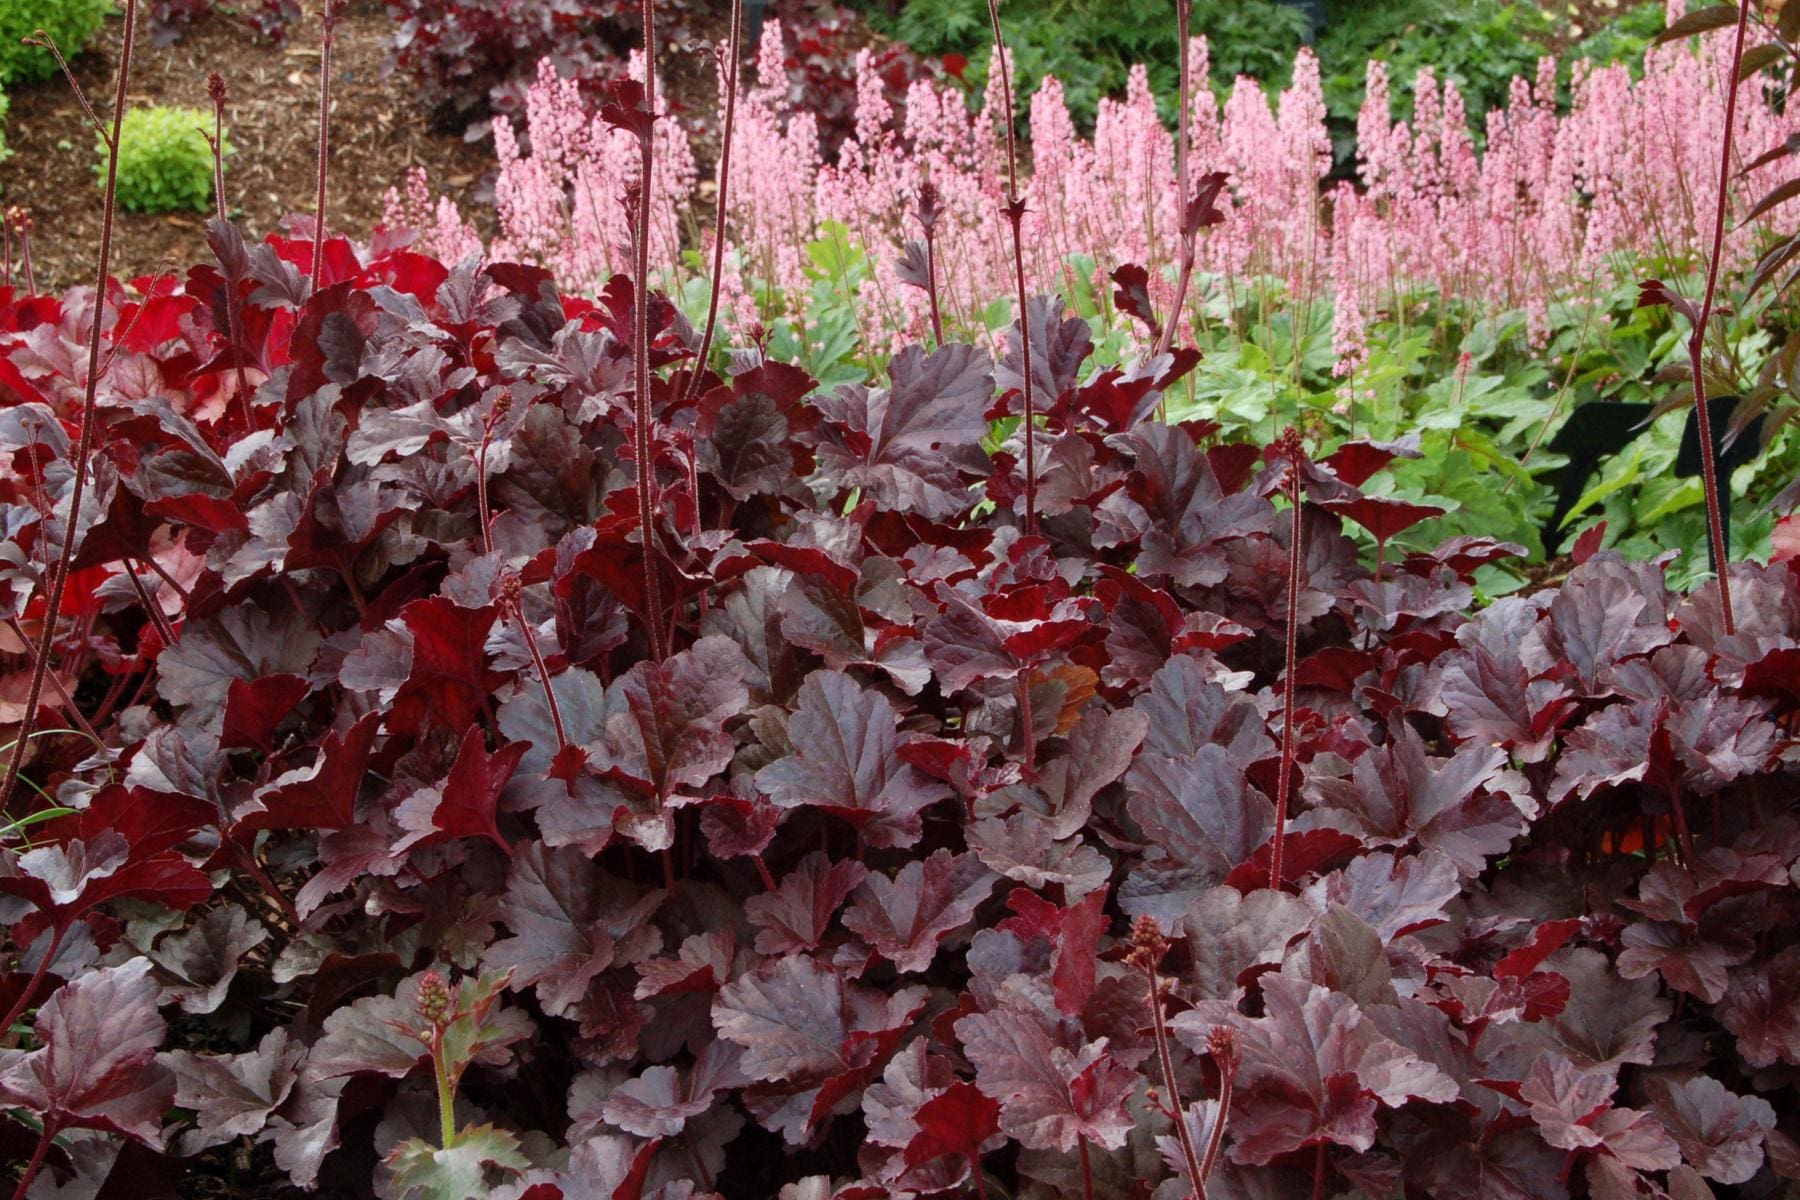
(1290, 445)
(1147, 949)
(642, 442)
(1015, 216)
(722, 195)
(334, 9)
(928, 215)
(1183, 11)
(1709, 472)
(90, 417)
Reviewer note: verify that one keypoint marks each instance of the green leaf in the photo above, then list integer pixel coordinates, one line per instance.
(834, 255)
(461, 1171)
(476, 1026)
(1612, 482)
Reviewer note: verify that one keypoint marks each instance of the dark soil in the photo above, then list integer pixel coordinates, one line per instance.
(379, 130)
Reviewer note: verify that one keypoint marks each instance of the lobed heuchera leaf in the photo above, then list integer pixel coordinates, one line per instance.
(1609, 1021)
(1176, 511)
(95, 1065)
(1573, 1110)
(959, 1121)
(1051, 1096)
(811, 1035)
(241, 644)
(200, 962)
(465, 804)
(121, 845)
(666, 736)
(1720, 1133)
(905, 918)
(845, 739)
(1398, 795)
(912, 444)
(1202, 819)
(480, 1156)
(658, 1104)
(570, 921)
(1314, 1069)
(1231, 934)
(321, 795)
(796, 916)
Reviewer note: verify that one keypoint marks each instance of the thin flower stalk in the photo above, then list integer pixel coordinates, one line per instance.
(1290, 446)
(1148, 946)
(722, 199)
(215, 89)
(1015, 217)
(1709, 471)
(643, 444)
(90, 417)
(333, 12)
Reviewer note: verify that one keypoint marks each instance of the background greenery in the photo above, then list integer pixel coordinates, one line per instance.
(72, 24)
(1091, 45)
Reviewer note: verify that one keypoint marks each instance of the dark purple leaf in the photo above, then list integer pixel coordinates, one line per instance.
(905, 918)
(95, 1065)
(844, 761)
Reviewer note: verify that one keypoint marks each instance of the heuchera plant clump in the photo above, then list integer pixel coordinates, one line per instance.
(932, 858)
(497, 754)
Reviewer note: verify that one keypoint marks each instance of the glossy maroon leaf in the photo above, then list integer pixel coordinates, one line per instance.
(569, 921)
(1398, 795)
(958, 1121)
(912, 444)
(465, 804)
(449, 679)
(253, 708)
(670, 738)
(319, 796)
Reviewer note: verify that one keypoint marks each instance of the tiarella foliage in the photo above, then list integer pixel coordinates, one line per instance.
(392, 852)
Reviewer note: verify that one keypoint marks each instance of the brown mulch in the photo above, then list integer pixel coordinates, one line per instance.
(379, 129)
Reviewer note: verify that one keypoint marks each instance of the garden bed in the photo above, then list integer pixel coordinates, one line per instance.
(379, 130)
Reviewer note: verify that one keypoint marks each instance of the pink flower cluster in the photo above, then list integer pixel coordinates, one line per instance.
(1557, 204)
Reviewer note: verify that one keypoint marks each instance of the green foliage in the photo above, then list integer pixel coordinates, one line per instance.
(71, 24)
(462, 1169)
(1091, 45)
(165, 164)
(1481, 44)
(4, 152)
(1623, 38)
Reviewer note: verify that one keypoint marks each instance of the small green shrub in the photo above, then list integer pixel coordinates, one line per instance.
(165, 164)
(72, 24)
